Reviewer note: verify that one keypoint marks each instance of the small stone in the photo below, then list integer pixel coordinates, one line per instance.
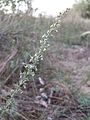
(49, 118)
(44, 95)
(41, 81)
(41, 89)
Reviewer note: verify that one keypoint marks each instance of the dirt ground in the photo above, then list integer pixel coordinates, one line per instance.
(61, 105)
(75, 61)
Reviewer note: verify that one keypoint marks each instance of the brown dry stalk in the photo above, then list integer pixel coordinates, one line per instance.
(7, 59)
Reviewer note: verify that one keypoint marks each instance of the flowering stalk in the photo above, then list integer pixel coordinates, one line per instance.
(31, 67)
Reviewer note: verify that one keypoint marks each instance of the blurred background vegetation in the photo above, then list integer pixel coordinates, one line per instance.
(22, 30)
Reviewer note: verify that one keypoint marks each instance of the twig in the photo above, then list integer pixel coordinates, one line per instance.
(19, 114)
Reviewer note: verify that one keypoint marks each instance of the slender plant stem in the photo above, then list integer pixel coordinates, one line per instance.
(35, 59)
